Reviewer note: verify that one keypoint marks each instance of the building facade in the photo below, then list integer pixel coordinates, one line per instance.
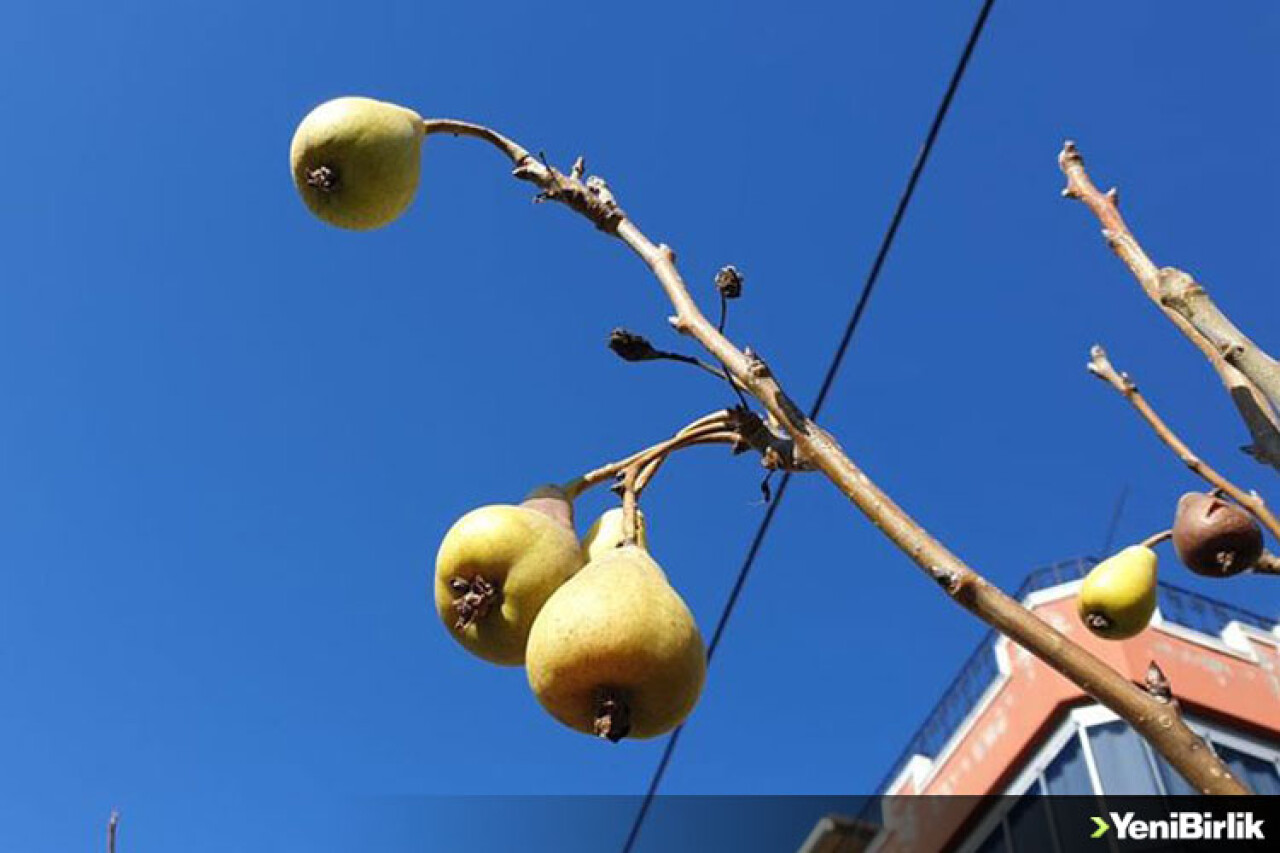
(1011, 726)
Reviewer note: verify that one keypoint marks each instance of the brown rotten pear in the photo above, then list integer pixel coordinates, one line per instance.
(615, 652)
(1213, 537)
(498, 565)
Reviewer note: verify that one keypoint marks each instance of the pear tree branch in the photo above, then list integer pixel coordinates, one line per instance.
(1160, 723)
(1250, 376)
(1267, 564)
(1183, 294)
(1101, 367)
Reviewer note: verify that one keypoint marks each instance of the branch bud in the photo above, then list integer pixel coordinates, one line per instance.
(629, 346)
(729, 282)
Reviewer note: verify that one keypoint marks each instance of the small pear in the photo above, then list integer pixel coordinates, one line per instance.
(495, 569)
(616, 652)
(1118, 596)
(607, 533)
(356, 161)
(1213, 537)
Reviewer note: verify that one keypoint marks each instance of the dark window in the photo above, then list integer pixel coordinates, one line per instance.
(1068, 773)
(1029, 828)
(1257, 773)
(1122, 763)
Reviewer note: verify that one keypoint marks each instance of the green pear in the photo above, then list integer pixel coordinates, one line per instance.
(615, 651)
(1118, 595)
(607, 533)
(356, 161)
(495, 569)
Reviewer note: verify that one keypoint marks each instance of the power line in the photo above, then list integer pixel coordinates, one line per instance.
(855, 318)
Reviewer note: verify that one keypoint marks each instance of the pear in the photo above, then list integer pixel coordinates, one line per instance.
(615, 651)
(495, 569)
(1213, 537)
(356, 161)
(607, 533)
(1118, 596)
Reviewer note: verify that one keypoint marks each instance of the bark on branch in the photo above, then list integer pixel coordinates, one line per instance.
(1183, 294)
(1101, 367)
(1268, 564)
(1250, 376)
(1159, 722)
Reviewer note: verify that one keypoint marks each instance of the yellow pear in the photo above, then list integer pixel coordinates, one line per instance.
(356, 161)
(1118, 595)
(607, 533)
(615, 651)
(495, 569)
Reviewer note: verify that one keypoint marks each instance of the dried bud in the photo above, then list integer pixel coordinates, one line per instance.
(629, 346)
(729, 282)
(1213, 537)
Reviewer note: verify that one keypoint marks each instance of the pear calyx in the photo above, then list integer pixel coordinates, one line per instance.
(474, 598)
(613, 715)
(1213, 537)
(323, 178)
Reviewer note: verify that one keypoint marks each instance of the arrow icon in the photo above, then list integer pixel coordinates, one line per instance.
(1102, 828)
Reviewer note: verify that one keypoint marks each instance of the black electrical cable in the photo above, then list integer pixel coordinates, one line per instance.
(859, 309)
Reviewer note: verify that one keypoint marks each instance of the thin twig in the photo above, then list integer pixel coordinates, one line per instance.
(1160, 723)
(112, 823)
(650, 467)
(715, 422)
(1101, 367)
(1258, 414)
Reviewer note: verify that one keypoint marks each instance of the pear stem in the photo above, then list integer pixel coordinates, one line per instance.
(650, 467)
(630, 518)
(739, 427)
(1101, 367)
(711, 428)
(816, 449)
(1156, 538)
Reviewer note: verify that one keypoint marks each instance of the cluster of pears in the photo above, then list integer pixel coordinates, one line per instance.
(1210, 536)
(608, 645)
(356, 161)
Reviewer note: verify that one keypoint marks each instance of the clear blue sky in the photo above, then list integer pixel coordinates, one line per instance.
(232, 437)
